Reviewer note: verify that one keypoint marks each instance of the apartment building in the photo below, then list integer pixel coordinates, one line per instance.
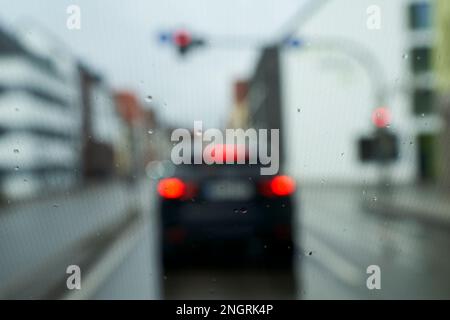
(39, 118)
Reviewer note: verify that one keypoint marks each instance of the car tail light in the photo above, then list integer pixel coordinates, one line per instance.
(282, 185)
(171, 188)
(278, 186)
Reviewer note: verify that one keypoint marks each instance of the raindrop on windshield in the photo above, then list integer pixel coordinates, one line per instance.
(149, 98)
(16, 150)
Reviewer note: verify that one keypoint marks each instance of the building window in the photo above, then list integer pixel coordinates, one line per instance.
(420, 16)
(421, 59)
(423, 101)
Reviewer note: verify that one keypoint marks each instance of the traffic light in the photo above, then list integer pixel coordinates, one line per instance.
(183, 40)
(381, 147)
(381, 117)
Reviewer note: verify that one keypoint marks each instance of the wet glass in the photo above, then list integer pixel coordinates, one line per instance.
(225, 150)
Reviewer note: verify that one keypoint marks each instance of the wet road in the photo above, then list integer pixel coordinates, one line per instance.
(345, 240)
(337, 241)
(89, 227)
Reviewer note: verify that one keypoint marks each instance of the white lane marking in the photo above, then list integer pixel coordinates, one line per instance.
(341, 267)
(110, 260)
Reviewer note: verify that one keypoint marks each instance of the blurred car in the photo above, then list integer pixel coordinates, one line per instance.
(226, 213)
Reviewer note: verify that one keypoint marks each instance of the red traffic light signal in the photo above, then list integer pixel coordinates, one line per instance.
(381, 117)
(182, 38)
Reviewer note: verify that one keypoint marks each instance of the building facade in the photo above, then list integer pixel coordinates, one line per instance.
(421, 39)
(39, 118)
(442, 68)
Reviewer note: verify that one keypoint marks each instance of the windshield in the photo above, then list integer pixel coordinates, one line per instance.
(225, 149)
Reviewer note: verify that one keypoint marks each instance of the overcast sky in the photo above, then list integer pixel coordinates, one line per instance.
(118, 38)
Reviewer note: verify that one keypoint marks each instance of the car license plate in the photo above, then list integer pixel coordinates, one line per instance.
(229, 190)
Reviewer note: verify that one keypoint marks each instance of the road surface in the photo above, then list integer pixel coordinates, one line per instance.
(337, 240)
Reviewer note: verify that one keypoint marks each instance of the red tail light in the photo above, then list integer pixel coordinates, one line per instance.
(171, 188)
(282, 185)
(279, 186)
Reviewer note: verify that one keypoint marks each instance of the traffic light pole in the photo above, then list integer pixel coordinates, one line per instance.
(374, 71)
(354, 50)
(303, 15)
